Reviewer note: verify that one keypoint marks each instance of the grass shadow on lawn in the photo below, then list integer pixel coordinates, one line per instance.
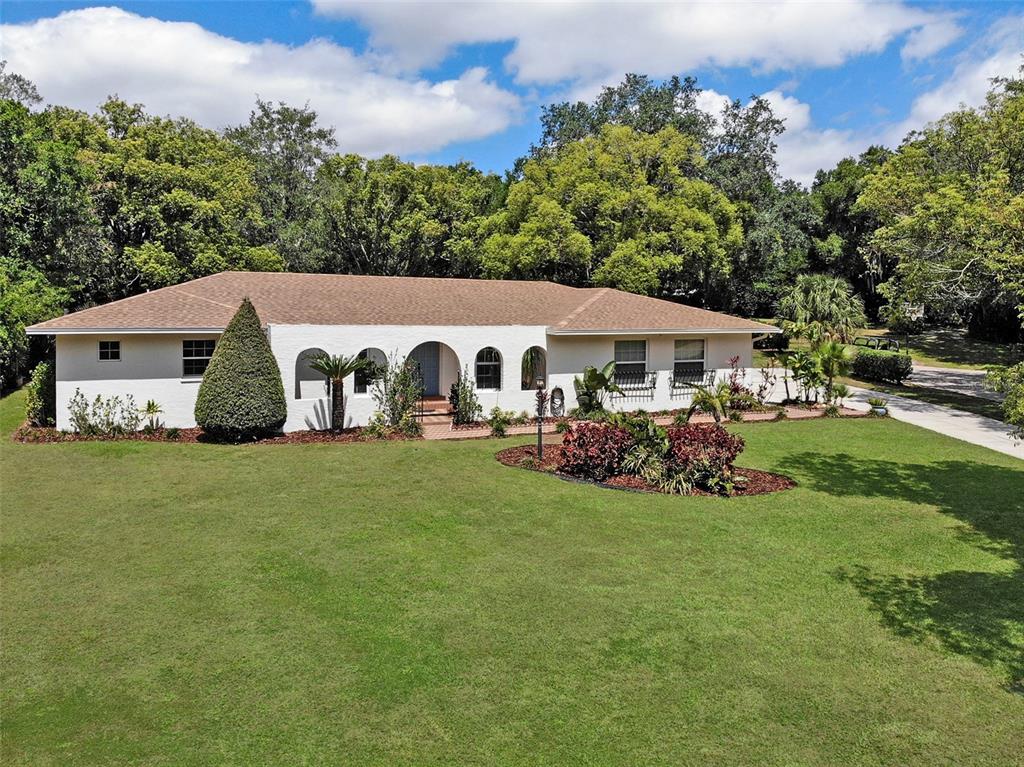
(976, 614)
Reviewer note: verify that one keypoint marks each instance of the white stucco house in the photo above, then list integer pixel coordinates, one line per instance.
(156, 345)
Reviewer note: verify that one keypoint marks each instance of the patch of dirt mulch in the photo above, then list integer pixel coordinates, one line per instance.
(525, 457)
(484, 425)
(47, 434)
(44, 435)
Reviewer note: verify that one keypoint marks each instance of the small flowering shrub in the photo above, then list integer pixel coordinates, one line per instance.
(595, 450)
(109, 417)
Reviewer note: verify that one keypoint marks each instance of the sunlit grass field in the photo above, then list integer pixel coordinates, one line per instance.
(419, 603)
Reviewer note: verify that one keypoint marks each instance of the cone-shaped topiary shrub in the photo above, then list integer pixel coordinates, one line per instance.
(242, 396)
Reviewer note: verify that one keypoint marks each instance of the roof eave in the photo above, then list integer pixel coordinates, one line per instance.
(35, 330)
(760, 329)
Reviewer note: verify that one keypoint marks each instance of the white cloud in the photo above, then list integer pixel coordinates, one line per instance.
(999, 54)
(930, 39)
(179, 68)
(589, 41)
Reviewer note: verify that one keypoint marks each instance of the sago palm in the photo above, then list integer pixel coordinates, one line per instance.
(337, 368)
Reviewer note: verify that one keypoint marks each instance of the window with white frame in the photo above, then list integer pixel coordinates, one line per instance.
(195, 356)
(630, 359)
(488, 369)
(110, 351)
(688, 359)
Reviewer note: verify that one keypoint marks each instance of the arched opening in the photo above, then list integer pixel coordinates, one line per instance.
(535, 365)
(309, 384)
(437, 365)
(364, 378)
(488, 369)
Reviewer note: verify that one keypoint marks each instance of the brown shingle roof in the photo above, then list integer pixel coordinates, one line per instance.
(337, 299)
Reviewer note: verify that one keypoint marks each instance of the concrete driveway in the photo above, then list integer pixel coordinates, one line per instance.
(968, 427)
(961, 381)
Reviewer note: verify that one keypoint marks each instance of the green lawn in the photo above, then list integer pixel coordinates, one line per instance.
(419, 603)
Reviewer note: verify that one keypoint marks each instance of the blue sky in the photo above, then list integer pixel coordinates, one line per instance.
(441, 82)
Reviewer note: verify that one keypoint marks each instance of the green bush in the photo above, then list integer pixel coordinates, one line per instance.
(872, 365)
(111, 417)
(41, 395)
(397, 391)
(1010, 381)
(465, 406)
(242, 395)
(499, 420)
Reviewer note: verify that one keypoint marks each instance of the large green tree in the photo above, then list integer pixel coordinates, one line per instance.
(951, 207)
(846, 228)
(619, 208)
(177, 201)
(390, 217)
(285, 145)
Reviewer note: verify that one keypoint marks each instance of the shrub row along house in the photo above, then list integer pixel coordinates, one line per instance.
(504, 334)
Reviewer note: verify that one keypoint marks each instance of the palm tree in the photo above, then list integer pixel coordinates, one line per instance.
(821, 308)
(834, 360)
(337, 368)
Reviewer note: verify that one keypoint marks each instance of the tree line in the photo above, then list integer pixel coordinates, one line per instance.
(641, 190)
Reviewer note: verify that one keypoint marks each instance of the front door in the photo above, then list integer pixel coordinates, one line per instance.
(428, 358)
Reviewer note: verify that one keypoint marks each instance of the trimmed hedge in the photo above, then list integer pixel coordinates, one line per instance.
(873, 365)
(41, 395)
(242, 394)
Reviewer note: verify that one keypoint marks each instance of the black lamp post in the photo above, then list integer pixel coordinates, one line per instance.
(542, 401)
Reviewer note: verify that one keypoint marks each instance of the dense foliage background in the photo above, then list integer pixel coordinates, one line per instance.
(641, 190)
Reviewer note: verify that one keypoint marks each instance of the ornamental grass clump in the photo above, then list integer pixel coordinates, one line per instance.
(242, 393)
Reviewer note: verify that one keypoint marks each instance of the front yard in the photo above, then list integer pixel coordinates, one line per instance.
(420, 603)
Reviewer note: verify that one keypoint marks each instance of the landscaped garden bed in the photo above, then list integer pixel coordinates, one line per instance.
(634, 452)
(755, 481)
(40, 435)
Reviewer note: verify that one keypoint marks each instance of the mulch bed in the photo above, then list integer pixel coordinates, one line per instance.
(41, 435)
(525, 457)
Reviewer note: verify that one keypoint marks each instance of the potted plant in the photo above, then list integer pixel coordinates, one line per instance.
(878, 406)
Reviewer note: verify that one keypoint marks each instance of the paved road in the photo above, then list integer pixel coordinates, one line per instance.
(968, 427)
(961, 381)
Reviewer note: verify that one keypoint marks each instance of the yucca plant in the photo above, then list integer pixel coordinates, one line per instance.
(151, 411)
(337, 368)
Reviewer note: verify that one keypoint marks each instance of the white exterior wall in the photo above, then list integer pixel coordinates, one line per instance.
(462, 342)
(151, 366)
(569, 354)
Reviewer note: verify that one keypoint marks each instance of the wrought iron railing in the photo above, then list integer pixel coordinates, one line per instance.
(690, 378)
(636, 381)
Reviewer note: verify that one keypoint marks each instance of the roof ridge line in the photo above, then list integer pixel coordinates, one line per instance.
(582, 308)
